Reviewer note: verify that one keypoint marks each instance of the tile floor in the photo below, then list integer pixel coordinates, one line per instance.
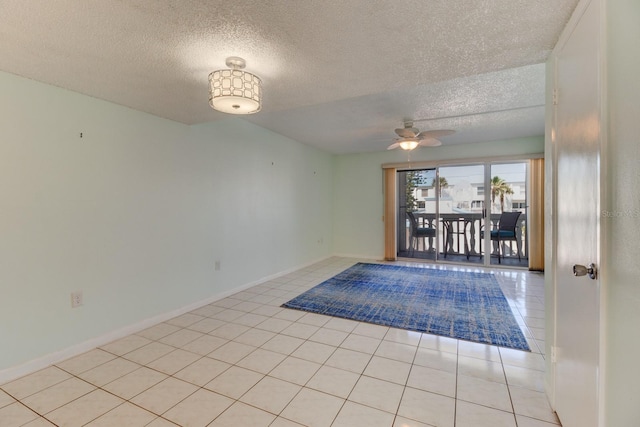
(245, 362)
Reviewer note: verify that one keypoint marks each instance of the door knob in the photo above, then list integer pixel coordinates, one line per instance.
(581, 270)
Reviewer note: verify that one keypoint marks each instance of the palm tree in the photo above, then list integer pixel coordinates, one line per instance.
(443, 184)
(499, 187)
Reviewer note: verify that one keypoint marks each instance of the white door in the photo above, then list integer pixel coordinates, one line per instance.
(578, 137)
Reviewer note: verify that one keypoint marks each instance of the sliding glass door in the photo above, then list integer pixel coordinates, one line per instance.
(461, 209)
(453, 213)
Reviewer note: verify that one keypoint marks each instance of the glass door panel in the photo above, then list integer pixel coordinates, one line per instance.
(417, 231)
(461, 207)
(508, 198)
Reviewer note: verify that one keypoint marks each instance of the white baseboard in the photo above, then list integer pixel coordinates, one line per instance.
(34, 365)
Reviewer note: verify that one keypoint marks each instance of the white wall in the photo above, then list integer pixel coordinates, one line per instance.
(135, 213)
(620, 252)
(358, 189)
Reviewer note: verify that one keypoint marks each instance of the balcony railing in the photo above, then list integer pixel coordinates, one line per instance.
(459, 234)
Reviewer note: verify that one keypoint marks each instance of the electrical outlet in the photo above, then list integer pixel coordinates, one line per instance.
(216, 266)
(76, 299)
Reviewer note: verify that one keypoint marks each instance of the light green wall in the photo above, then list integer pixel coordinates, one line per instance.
(135, 213)
(622, 229)
(358, 189)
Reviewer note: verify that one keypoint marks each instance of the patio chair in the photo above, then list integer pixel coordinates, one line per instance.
(419, 232)
(506, 231)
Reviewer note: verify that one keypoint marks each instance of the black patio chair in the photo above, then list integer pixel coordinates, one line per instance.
(506, 231)
(419, 232)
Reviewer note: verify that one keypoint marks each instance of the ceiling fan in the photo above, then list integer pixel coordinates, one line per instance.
(410, 137)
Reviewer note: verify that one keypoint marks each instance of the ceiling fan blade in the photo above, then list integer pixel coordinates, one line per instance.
(407, 132)
(430, 142)
(394, 145)
(434, 133)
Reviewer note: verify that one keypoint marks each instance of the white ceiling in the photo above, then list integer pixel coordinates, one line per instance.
(338, 74)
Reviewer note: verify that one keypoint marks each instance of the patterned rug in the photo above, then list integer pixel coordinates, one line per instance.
(467, 306)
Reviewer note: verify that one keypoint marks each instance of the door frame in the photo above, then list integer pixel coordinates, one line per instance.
(390, 199)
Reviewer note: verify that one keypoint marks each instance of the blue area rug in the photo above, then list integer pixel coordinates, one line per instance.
(467, 306)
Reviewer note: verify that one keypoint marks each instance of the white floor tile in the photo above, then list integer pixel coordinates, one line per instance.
(433, 380)
(5, 399)
(361, 343)
(333, 381)
(174, 361)
(349, 360)
(377, 394)
(329, 336)
(479, 351)
(313, 408)
(483, 392)
(125, 415)
(471, 415)
(240, 414)
(181, 337)
(148, 353)
(300, 330)
(531, 422)
(85, 409)
(202, 371)
(261, 360)
(164, 395)
(206, 325)
(126, 344)
(16, 414)
(234, 382)
(436, 359)
(523, 377)
(271, 394)
(205, 345)
(429, 408)
(396, 351)
(58, 395)
(388, 370)
(158, 331)
(436, 342)
(255, 337)
(33, 383)
(39, 422)
(199, 409)
(406, 422)
(371, 330)
(480, 368)
(135, 382)
(229, 331)
(532, 404)
(86, 361)
(314, 352)
(231, 352)
(344, 325)
(356, 415)
(109, 371)
(185, 320)
(295, 370)
(283, 344)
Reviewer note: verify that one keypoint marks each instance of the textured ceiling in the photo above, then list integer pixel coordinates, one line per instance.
(339, 75)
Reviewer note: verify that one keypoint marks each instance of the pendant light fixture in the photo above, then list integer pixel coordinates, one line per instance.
(233, 90)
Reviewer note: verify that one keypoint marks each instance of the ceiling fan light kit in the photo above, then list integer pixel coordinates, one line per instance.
(408, 144)
(233, 90)
(410, 138)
